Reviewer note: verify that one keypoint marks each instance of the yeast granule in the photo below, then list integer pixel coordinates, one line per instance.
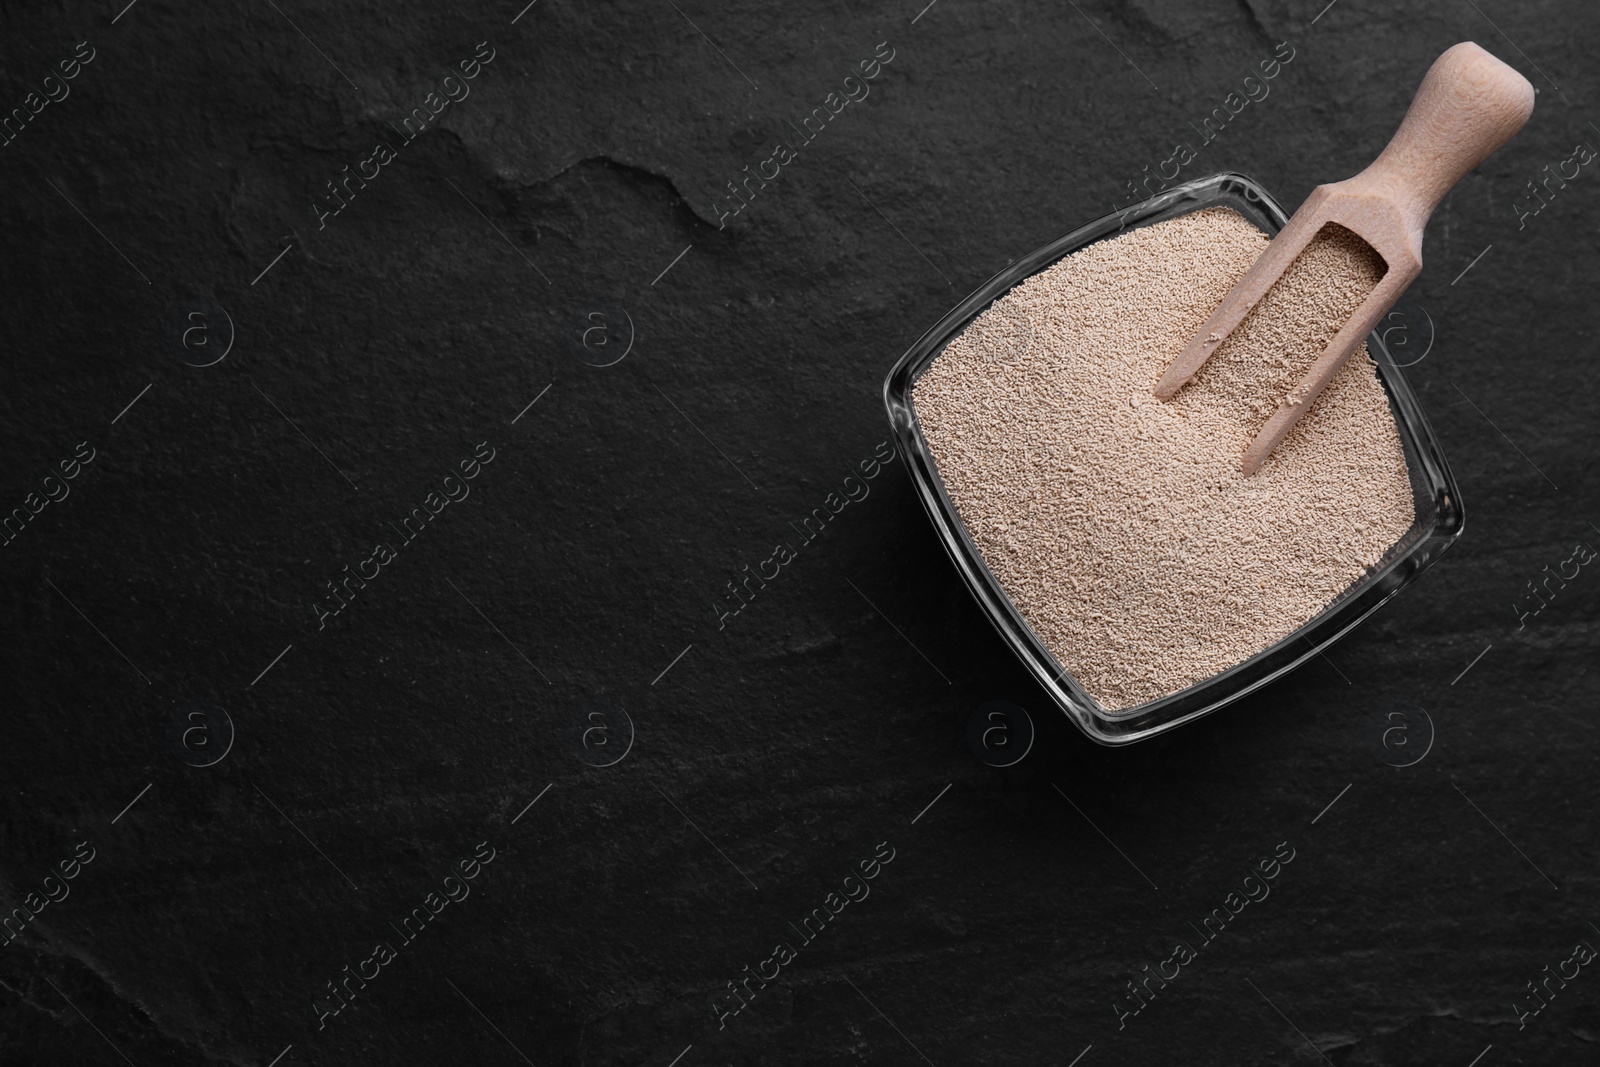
(1121, 525)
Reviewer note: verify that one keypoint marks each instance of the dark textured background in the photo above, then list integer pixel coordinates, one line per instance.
(191, 549)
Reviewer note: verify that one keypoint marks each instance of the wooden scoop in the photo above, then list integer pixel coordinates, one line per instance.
(1468, 105)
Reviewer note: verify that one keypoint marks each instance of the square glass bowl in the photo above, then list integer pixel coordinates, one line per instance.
(1437, 502)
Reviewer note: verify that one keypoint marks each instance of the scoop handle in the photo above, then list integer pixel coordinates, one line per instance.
(1468, 106)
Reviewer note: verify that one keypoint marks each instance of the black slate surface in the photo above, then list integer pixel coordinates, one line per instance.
(165, 609)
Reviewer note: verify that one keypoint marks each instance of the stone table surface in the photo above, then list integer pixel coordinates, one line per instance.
(283, 277)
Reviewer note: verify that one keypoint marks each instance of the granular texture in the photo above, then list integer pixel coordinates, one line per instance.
(1121, 525)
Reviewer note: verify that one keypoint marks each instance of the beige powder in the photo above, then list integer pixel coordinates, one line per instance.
(1121, 525)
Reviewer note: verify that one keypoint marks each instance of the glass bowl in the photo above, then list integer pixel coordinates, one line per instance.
(1437, 502)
